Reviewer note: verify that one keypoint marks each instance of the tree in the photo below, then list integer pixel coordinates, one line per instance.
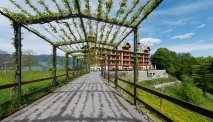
(29, 58)
(204, 75)
(176, 64)
(61, 62)
(5, 61)
(164, 59)
(184, 64)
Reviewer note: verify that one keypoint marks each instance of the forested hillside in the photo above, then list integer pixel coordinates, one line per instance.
(197, 71)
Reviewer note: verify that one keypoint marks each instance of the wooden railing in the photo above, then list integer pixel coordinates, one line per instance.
(184, 104)
(28, 82)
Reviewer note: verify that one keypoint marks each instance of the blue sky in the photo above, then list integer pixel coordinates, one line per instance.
(179, 25)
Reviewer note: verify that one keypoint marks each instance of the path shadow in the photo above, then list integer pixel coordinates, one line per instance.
(87, 99)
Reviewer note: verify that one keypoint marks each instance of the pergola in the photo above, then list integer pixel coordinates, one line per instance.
(69, 24)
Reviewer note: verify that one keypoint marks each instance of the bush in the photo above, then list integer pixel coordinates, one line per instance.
(158, 81)
(50, 69)
(123, 74)
(190, 93)
(187, 79)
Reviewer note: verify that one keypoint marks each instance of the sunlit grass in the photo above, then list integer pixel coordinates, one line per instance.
(8, 99)
(170, 109)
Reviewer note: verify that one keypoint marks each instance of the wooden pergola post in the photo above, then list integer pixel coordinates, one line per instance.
(108, 65)
(102, 70)
(81, 67)
(89, 68)
(54, 65)
(116, 68)
(17, 39)
(85, 68)
(135, 63)
(77, 68)
(105, 67)
(73, 67)
(66, 66)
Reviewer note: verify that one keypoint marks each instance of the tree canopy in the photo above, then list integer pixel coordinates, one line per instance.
(185, 66)
(29, 58)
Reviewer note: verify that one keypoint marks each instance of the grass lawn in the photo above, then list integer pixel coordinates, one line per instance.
(26, 75)
(206, 101)
(9, 94)
(174, 111)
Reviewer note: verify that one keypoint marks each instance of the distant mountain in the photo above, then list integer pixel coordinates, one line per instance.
(48, 58)
(44, 61)
(3, 52)
(44, 58)
(41, 58)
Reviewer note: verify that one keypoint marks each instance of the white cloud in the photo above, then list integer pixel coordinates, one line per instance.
(179, 22)
(201, 41)
(150, 41)
(183, 36)
(168, 31)
(201, 26)
(197, 46)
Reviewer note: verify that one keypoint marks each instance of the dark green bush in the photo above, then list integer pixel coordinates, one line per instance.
(122, 74)
(191, 93)
(50, 69)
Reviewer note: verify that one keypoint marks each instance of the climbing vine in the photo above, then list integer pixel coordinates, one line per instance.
(125, 18)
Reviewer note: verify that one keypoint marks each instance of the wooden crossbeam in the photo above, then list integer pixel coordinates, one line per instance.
(83, 50)
(42, 37)
(141, 20)
(43, 20)
(82, 41)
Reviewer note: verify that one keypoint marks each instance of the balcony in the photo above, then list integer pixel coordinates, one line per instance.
(126, 55)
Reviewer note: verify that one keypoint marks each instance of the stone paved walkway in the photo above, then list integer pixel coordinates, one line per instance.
(86, 99)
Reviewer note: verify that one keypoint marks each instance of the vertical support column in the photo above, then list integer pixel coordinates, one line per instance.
(81, 67)
(73, 67)
(108, 65)
(116, 68)
(88, 68)
(66, 66)
(54, 66)
(17, 40)
(85, 67)
(80, 62)
(77, 68)
(102, 61)
(135, 63)
(105, 67)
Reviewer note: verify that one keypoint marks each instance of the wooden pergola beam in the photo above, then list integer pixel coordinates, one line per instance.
(82, 41)
(82, 50)
(141, 20)
(109, 21)
(37, 34)
(9, 17)
(43, 20)
(79, 55)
